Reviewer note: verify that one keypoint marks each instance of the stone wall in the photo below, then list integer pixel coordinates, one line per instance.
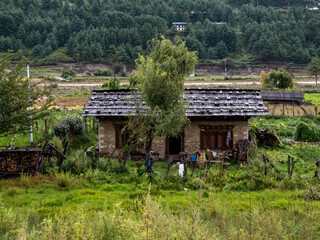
(192, 133)
(191, 136)
(107, 138)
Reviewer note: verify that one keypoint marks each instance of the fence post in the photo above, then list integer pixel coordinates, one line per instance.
(85, 124)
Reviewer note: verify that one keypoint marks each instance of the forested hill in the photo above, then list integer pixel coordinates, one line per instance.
(100, 30)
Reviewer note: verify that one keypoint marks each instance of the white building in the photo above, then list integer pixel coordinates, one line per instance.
(180, 25)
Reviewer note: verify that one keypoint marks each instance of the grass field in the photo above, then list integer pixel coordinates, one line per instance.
(97, 200)
(99, 204)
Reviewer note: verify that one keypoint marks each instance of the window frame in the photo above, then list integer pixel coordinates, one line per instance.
(207, 131)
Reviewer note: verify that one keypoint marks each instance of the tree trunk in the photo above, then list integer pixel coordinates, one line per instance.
(148, 148)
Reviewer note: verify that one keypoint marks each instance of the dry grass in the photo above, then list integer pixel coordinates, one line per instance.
(13, 191)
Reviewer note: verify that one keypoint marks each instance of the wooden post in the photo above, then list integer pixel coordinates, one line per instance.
(292, 166)
(46, 126)
(37, 127)
(316, 174)
(289, 165)
(85, 124)
(265, 165)
(93, 121)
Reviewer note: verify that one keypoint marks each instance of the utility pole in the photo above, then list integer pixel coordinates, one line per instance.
(31, 128)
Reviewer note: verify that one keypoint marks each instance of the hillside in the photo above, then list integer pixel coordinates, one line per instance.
(117, 31)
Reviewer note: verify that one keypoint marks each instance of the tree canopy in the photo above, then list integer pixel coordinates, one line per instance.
(268, 30)
(314, 68)
(160, 81)
(17, 94)
(277, 79)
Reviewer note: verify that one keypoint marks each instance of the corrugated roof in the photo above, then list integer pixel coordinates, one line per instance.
(282, 96)
(200, 103)
(179, 23)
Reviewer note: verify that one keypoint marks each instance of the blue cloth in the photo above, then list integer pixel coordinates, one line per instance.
(149, 163)
(193, 158)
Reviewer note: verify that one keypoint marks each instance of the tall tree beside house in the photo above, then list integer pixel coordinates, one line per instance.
(160, 81)
(314, 68)
(17, 95)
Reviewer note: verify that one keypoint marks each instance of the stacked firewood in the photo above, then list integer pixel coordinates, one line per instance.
(19, 160)
(267, 138)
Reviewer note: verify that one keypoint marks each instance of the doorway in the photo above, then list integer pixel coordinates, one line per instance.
(175, 145)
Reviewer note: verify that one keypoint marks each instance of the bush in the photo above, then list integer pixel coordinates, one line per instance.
(63, 181)
(217, 177)
(70, 124)
(68, 73)
(77, 163)
(305, 132)
(171, 183)
(100, 72)
(278, 79)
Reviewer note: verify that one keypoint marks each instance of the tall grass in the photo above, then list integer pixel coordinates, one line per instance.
(153, 219)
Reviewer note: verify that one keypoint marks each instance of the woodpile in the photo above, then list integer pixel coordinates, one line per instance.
(267, 138)
(16, 160)
(242, 149)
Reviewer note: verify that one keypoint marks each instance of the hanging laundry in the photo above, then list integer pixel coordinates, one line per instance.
(181, 169)
(228, 138)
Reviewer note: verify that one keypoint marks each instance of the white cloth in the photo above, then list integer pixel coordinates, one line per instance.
(181, 169)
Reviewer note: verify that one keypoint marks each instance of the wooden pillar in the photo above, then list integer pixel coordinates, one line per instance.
(46, 126)
(85, 124)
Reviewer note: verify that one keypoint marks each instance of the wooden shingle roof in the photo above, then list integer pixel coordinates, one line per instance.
(276, 96)
(199, 103)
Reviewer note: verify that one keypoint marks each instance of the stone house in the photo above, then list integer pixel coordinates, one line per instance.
(219, 119)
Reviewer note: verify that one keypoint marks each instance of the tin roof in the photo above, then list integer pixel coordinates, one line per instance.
(179, 23)
(199, 103)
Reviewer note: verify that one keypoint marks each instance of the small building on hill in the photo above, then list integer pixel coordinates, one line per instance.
(181, 26)
(219, 119)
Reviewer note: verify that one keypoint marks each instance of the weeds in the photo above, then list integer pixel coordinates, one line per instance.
(63, 181)
(13, 191)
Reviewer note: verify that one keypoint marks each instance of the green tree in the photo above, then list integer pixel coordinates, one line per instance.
(314, 68)
(17, 95)
(221, 50)
(160, 80)
(277, 79)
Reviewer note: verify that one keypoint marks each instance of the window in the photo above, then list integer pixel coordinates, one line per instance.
(122, 137)
(216, 137)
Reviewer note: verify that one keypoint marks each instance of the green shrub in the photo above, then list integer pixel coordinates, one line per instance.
(103, 164)
(96, 174)
(192, 183)
(278, 79)
(70, 124)
(171, 183)
(104, 72)
(306, 133)
(217, 177)
(113, 84)
(77, 163)
(306, 152)
(292, 183)
(68, 73)
(63, 180)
